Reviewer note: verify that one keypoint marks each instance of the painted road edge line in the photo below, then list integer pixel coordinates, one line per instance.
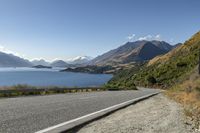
(106, 110)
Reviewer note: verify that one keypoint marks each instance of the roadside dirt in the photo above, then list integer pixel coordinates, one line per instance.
(155, 115)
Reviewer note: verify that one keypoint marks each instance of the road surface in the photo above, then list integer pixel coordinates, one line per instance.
(32, 114)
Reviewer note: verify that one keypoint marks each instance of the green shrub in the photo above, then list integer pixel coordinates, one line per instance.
(151, 80)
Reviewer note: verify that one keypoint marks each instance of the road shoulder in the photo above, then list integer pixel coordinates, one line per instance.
(155, 115)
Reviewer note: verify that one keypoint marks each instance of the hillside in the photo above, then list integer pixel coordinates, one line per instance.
(133, 52)
(187, 93)
(59, 63)
(163, 71)
(40, 62)
(9, 60)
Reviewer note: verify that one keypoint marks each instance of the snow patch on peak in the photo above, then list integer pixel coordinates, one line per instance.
(79, 60)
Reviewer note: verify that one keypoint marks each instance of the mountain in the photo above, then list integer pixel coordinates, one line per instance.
(79, 60)
(40, 62)
(162, 45)
(10, 60)
(165, 70)
(133, 52)
(59, 63)
(177, 45)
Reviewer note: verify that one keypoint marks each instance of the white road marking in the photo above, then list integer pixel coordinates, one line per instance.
(91, 114)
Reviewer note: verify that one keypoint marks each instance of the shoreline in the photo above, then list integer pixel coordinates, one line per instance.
(26, 90)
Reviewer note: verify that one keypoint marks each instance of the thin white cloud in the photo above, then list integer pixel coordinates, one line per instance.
(158, 37)
(148, 37)
(151, 37)
(5, 50)
(40, 58)
(131, 37)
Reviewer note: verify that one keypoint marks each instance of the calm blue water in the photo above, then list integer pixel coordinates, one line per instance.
(50, 77)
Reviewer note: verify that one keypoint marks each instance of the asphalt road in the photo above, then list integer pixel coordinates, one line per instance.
(31, 114)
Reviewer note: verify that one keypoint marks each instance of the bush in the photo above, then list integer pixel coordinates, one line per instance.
(151, 80)
(181, 64)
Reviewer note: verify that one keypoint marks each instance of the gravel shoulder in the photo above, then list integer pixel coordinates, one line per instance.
(154, 115)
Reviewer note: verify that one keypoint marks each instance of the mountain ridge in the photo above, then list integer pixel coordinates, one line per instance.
(59, 63)
(10, 60)
(129, 52)
(40, 62)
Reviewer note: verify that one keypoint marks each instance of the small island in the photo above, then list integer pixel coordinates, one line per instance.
(41, 66)
(91, 69)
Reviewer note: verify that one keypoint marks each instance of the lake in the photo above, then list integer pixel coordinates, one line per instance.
(50, 77)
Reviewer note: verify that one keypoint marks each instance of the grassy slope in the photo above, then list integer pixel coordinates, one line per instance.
(188, 94)
(119, 79)
(163, 71)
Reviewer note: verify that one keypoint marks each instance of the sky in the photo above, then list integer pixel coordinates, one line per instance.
(62, 29)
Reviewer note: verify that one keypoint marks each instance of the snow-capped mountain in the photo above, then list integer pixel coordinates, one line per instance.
(79, 60)
(40, 62)
(59, 63)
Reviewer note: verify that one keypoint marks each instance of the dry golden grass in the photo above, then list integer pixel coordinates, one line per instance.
(164, 58)
(182, 48)
(188, 94)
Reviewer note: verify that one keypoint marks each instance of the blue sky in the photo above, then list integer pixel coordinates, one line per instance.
(63, 29)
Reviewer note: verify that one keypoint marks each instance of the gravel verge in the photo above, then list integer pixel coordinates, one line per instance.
(155, 115)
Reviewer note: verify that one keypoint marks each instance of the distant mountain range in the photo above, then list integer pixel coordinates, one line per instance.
(10, 60)
(79, 60)
(59, 63)
(40, 62)
(130, 52)
(133, 52)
